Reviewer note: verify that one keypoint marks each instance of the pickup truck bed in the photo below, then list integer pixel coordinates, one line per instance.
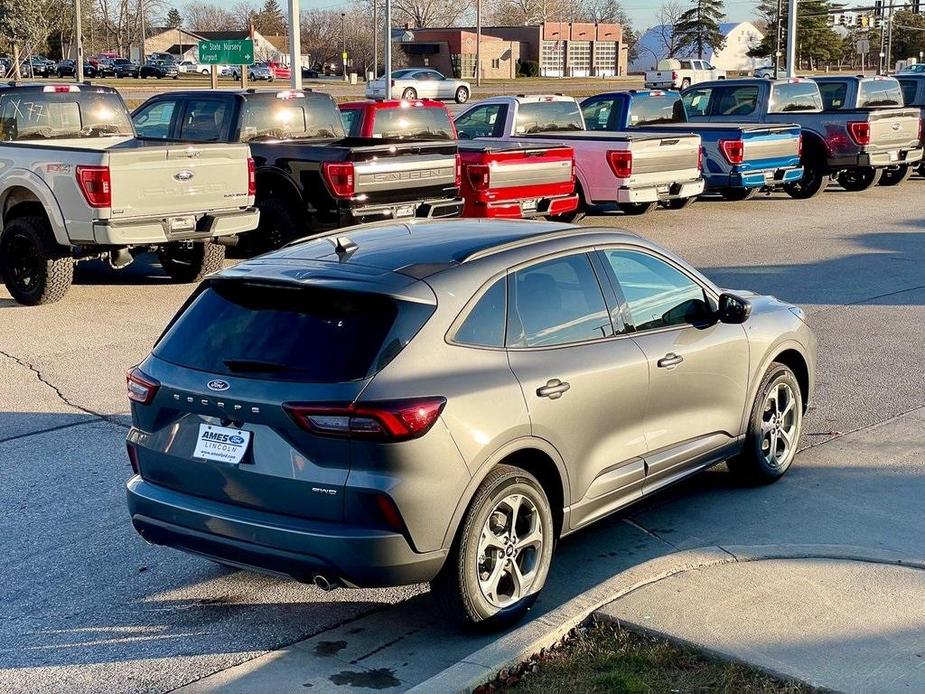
(517, 179)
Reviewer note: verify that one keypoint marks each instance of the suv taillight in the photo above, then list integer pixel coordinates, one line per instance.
(621, 163)
(479, 176)
(95, 185)
(141, 387)
(733, 150)
(251, 176)
(339, 177)
(860, 132)
(396, 420)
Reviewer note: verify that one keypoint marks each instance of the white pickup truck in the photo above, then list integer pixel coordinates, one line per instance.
(75, 184)
(634, 170)
(681, 74)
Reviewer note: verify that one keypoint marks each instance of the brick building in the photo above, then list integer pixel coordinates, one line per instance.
(561, 49)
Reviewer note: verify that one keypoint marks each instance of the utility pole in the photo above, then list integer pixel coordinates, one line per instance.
(343, 36)
(478, 43)
(295, 45)
(889, 44)
(78, 39)
(375, 39)
(791, 38)
(144, 33)
(387, 76)
(778, 32)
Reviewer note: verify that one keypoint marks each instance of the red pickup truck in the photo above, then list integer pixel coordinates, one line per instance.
(511, 179)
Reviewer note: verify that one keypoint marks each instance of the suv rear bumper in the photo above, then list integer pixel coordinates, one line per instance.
(157, 230)
(415, 209)
(276, 544)
(674, 191)
(893, 157)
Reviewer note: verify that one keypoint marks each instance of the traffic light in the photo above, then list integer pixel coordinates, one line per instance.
(865, 22)
(878, 8)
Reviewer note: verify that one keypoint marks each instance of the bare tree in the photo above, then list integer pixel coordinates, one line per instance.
(428, 13)
(204, 16)
(667, 16)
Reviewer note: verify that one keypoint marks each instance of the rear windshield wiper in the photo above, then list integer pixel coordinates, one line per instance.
(255, 366)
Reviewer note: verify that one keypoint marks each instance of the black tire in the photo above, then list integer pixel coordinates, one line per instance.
(279, 224)
(739, 194)
(143, 76)
(637, 209)
(921, 170)
(35, 269)
(859, 179)
(409, 93)
(815, 177)
(462, 95)
(577, 214)
(456, 587)
(895, 175)
(680, 203)
(191, 263)
(752, 465)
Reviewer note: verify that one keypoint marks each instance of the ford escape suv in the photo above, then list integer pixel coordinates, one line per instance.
(441, 400)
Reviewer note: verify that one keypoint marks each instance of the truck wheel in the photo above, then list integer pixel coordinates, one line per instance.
(502, 552)
(739, 194)
(895, 175)
(192, 262)
(680, 203)
(637, 209)
(815, 177)
(773, 428)
(279, 224)
(859, 179)
(35, 269)
(409, 94)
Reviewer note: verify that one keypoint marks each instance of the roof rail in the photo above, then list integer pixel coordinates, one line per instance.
(334, 233)
(550, 235)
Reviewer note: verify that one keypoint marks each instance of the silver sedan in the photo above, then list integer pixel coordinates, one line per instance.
(420, 83)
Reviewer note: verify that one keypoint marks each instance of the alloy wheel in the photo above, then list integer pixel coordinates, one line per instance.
(510, 550)
(779, 425)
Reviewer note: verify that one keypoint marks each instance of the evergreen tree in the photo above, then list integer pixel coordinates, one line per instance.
(698, 27)
(817, 42)
(270, 20)
(174, 20)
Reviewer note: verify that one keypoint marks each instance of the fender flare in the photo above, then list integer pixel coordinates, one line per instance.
(521, 443)
(771, 355)
(279, 176)
(23, 178)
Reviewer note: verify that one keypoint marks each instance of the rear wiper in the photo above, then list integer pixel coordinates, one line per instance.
(255, 365)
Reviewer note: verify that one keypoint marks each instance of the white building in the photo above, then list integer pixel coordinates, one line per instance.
(740, 38)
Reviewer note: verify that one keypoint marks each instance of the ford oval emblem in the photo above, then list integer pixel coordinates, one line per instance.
(218, 385)
(235, 439)
(897, 127)
(184, 175)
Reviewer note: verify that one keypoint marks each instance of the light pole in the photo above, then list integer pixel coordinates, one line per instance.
(387, 20)
(375, 39)
(78, 38)
(778, 35)
(478, 43)
(295, 45)
(144, 32)
(791, 38)
(343, 36)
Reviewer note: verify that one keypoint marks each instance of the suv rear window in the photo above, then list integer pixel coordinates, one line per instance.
(31, 114)
(412, 123)
(879, 93)
(794, 97)
(543, 116)
(300, 117)
(290, 333)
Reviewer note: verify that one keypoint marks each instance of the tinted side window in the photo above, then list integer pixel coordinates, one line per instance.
(484, 326)
(556, 302)
(153, 121)
(834, 95)
(737, 101)
(652, 110)
(597, 114)
(697, 101)
(481, 121)
(910, 89)
(204, 120)
(657, 295)
(795, 97)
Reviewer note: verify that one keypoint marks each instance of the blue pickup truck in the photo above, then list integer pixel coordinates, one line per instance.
(739, 159)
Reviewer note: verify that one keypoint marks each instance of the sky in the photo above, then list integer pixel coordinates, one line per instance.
(642, 12)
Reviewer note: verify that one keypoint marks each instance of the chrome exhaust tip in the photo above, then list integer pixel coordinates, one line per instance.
(323, 583)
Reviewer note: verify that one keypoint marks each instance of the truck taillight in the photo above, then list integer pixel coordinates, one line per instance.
(859, 131)
(339, 178)
(733, 150)
(700, 158)
(397, 420)
(800, 146)
(621, 163)
(479, 176)
(574, 170)
(674, 76)
(95, 185)
(251, 176)
(141, 387)
(458, 171)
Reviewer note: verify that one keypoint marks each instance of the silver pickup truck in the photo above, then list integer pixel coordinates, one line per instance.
(635, 171)
(75, 184)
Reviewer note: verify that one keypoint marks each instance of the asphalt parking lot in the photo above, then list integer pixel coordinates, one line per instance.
(86, 605)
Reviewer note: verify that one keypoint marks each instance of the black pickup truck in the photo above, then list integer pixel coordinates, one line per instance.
(310, 175)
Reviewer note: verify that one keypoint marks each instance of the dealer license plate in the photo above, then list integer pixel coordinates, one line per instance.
(528, 206)
(221, 444)
(405, 211)
(187, 223)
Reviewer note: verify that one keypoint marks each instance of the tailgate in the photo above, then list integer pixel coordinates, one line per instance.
(665, 160)
(771, 147)
(529, 170)
(153, 181)
(893, 128)
(403, 172)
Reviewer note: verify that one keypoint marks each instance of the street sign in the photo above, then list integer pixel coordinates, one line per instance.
(229, 52)
(862, 46)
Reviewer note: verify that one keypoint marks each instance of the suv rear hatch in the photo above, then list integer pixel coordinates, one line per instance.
(239, 360)
(151, 179)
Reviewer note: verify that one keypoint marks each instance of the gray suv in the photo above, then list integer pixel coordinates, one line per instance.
(440, 401)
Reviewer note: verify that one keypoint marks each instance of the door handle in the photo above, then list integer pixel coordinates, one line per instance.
(669, 360)
(553, 389)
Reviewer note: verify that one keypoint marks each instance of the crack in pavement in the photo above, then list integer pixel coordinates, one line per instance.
(636, 524)
(57, 391)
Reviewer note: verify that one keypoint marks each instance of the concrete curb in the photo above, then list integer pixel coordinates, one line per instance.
(517, 646)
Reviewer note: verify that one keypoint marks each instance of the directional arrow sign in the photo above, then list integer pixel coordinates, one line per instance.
(227, 52)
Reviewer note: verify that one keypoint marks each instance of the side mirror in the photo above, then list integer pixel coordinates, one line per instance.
(733, 309)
